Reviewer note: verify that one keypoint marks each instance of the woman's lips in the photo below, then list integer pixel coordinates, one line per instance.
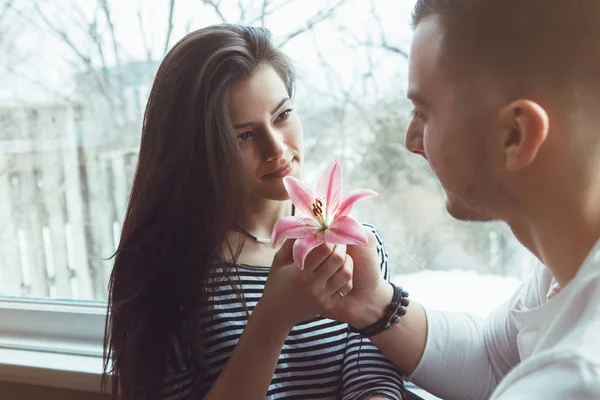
(284, 171)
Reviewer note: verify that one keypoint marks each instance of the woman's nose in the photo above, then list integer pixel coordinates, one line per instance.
(275, 147)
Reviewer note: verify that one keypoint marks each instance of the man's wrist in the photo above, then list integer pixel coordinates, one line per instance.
(374, 309)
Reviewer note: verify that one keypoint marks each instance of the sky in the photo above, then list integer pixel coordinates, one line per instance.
(44, 65)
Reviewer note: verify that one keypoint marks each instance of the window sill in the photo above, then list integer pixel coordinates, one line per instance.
(59, 344)
(65, 371)
(54, 344)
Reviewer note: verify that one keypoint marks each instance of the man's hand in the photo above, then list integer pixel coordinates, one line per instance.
(404, 342)
(370, 295)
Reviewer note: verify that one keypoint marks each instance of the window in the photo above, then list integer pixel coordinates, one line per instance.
(74, 79)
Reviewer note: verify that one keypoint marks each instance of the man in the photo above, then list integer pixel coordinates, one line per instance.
(507, 112)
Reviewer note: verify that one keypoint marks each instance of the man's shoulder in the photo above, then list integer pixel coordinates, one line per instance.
(562, 334)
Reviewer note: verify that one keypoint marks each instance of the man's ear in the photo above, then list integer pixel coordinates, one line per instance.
(525, 128)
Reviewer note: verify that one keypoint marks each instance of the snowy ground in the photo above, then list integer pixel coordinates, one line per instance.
(456, 290)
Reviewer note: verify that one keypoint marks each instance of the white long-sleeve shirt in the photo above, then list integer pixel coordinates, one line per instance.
(544, 343)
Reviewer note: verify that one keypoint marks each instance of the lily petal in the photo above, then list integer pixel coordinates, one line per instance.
(293, 228)
(346, 230)
(303, 246)
(329, 188)
(301, 196)
(354, 196)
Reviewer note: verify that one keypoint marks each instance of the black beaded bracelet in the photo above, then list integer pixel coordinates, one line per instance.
(393, 314)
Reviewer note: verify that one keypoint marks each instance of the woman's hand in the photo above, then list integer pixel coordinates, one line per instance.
(370, 295)
(292, 295)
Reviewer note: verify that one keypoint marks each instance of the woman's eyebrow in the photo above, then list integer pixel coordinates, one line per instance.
(247, 124)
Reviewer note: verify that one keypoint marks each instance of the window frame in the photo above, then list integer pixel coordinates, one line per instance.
(52, 343)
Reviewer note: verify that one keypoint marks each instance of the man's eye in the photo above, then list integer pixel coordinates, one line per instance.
(416, 115)
(244, 136)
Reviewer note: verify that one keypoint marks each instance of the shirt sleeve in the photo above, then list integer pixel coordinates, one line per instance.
(552, 378)
(366, 372)
(466, 356)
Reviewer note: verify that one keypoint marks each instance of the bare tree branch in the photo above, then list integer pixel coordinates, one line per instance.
(329, 70)
(188, 25)
(111, 27)
(81, 22)
(216, 9)
(263, 12)
(347, 97)
(351, 40)
(242, 9)
(369, 75)
(40, 84)
(147, 48)
(64, 37)
(384, 43)
(169, 25)
(104, 83)
(6, 46)
(394, 49)
(272, 10)
(93, 32)
(7, 6)
(316, 19)
(12, 54)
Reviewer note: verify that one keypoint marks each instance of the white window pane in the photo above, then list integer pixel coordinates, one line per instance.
(71, 108)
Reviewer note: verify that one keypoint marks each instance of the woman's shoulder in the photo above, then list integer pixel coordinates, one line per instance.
(381, 250)
(375, 232)
(373, 229)
(230, 269)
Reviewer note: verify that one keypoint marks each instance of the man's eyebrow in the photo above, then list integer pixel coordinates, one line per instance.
(416, 98)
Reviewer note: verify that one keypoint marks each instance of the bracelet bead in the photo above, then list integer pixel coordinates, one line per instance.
(393, 314)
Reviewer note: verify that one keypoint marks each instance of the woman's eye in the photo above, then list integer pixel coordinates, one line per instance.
(244, 136)
(284, 115)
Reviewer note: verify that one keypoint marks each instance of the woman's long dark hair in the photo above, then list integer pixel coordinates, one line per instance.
(184, 199)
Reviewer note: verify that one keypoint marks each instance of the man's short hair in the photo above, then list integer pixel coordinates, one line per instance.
(549, 44)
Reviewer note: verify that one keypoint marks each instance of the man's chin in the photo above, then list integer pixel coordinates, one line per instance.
(464, 213)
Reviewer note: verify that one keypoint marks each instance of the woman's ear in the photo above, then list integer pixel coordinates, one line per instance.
(525, 128)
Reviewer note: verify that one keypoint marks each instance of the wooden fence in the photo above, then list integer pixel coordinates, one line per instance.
(62, 198)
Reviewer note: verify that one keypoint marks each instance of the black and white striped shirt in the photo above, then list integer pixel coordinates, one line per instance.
(320, 358)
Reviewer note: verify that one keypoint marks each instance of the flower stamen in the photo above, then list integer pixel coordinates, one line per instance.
(317, 208)
(318, 212)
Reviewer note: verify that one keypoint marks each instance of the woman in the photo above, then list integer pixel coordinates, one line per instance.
(192, 314)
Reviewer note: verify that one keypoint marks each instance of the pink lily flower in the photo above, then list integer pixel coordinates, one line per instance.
(325, 216)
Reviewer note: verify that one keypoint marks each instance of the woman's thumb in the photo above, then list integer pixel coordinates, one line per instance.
(284, 255)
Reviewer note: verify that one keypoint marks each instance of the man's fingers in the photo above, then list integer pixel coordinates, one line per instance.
(341, 279)
(317, 256)
(332, 263)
